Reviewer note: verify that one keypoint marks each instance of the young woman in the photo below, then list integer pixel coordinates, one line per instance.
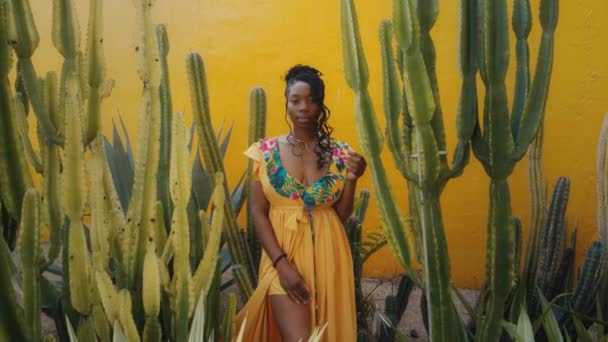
(302, 193)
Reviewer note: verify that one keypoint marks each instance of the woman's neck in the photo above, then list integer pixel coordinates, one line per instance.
(307, 136)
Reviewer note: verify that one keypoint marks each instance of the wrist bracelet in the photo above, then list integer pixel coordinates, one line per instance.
(274, 263)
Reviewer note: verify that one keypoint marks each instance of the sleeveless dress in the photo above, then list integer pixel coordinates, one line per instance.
(311, 234)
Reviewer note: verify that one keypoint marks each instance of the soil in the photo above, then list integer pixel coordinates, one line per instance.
(411, 324)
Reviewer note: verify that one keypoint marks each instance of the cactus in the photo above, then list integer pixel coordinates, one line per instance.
(602, 207)
(208, 143)
(52, 210)
(151, 294)
(12, 325)
(141, 209)
(95, 71)
(30, 260)
(15, 177)
(394, 308)
(164, 193)
(257, 128)
(538, 195)
(228, 321)
(602, 184)
(497, 147)
(22, 35)
(553, 237)
(180, 192)
(586, 294)
(140, 281)
(419, 147)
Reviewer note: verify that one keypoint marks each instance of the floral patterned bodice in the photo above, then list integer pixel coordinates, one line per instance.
(322, 192)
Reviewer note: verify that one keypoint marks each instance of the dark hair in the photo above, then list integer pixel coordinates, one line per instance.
(312, 77)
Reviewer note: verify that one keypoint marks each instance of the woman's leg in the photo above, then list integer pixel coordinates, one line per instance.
(293, 319)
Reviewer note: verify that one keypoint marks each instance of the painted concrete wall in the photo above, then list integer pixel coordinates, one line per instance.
(248, 43)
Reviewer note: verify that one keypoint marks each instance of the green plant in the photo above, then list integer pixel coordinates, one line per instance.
(503, 140)
(417, 141)
(505, 136)
(257, 129)
(243, 268)
(549, 269)
(123, 272)
(360, 252)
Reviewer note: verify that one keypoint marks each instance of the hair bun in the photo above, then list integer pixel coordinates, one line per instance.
(299, 69)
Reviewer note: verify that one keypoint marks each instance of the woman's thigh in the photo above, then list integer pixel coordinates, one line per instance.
(293, 319)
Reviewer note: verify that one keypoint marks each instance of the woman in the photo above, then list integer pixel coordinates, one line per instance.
(302, 192)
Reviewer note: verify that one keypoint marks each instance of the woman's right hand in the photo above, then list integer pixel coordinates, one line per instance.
(292, 282)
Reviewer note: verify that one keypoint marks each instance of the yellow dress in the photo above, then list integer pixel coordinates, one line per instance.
(311, 234)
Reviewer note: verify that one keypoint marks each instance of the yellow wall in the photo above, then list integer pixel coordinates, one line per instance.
(248, 43)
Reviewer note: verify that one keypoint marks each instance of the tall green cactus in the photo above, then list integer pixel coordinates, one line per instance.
(12, 325)
(537, 186)
(15, 176)
(244, 269)
(602, 183)
(52, 211)
(128, 283)
(30, 260)
(419, 147)
(505, 136)
(180, 192)
(602, 206)
(144, 198)
(95, 70)
(22, 35)
(166, 113)
(257, 129)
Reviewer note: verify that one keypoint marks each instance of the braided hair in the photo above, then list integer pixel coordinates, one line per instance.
(312, 76)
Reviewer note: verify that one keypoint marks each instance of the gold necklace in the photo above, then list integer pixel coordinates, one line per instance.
(300, 141)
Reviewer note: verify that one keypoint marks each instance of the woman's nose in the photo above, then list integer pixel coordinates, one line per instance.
(303, 106)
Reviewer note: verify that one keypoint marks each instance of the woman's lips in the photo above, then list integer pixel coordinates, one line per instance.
(302, 119)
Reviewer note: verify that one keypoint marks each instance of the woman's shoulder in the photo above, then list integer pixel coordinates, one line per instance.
(265, 145)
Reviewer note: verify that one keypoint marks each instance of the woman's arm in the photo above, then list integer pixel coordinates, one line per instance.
(344, 206)
(291, 280)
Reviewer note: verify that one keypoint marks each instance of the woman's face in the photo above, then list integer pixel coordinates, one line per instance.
(301, 109)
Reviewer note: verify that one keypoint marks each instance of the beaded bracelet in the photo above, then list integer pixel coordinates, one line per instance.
(274, 263)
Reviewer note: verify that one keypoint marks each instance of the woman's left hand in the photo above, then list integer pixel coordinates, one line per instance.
(355, 165)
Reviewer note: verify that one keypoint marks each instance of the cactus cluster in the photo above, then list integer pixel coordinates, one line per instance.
(125, 233)
(415, 135)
